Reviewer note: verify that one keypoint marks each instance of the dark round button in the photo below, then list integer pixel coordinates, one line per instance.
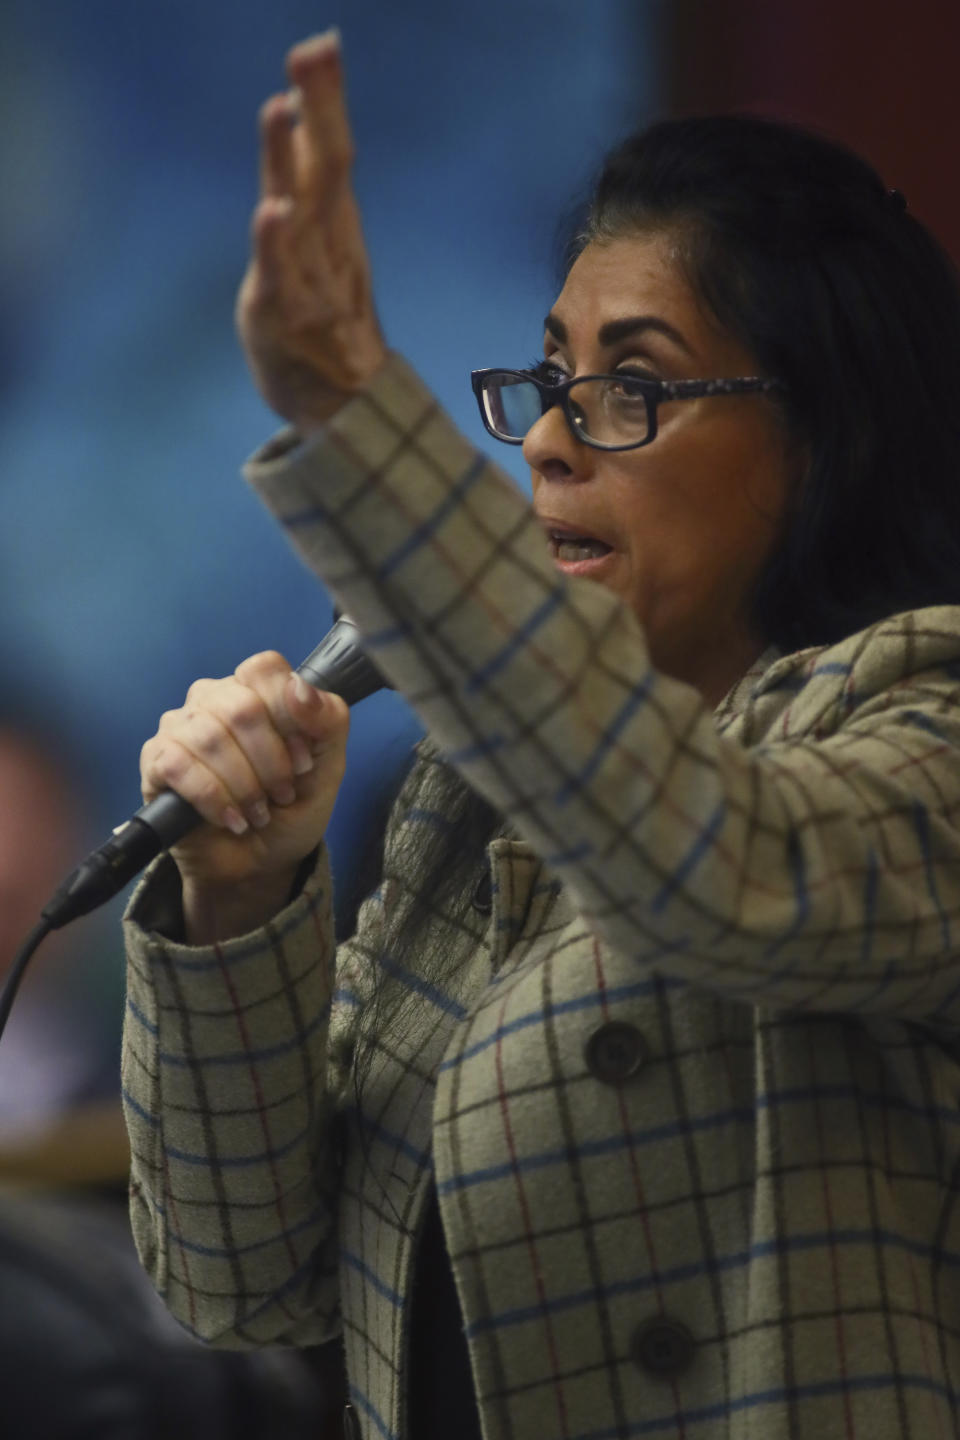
(483, 894)
(615, 1052)
(662, 1346)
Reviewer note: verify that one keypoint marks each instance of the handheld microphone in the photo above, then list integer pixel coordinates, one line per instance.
(337, 664)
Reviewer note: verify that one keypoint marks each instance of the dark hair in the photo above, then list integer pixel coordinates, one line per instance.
(801, 252)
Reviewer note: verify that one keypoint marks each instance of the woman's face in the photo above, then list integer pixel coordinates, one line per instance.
(691, 518)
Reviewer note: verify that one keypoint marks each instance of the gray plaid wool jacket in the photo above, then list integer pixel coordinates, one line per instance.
(690, 1091)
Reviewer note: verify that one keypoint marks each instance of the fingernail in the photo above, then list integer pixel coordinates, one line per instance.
(283, 794)
(305, 693)
(330, 39)
(234, 821)
(259, 815)
(300, 755)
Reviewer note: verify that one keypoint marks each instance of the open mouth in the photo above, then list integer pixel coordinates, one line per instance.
(574, 548)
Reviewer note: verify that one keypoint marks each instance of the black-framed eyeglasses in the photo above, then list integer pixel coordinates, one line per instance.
(609, 412)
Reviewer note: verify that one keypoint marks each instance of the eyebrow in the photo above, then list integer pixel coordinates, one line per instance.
(615, 330)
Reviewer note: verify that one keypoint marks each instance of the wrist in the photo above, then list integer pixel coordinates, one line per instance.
(213, 913)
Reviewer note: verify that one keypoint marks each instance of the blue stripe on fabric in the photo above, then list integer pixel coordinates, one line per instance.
(673, 1130)
(921, 822)
(830, 667)
(678, 1274)
(433, 522)
(238, 1162)
(391, 635)
(216, 1252)
(691, 860)
(139, 1016)
(397, 1144)
(923, 722)
(238, 953)
(152, 1120)
(315, 512)
(419, 986)
(782, 1396)
(569, 857)
(518, 640)
(592, 1148)
(358, 1398)
(250, 1057)
(343, 995)
(590, 1001)
(371, 1277)
(810, 1094)
(635, 699)
(248, 1316)
(477, 750)
(417, 815)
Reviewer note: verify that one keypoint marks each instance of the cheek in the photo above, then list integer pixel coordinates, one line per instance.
(700, 525)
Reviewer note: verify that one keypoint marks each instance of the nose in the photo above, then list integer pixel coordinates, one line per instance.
(553, 452)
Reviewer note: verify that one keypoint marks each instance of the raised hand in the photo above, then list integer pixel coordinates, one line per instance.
(305, 310)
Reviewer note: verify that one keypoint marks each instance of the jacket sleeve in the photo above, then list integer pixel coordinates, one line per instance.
(234, 1076)
(814, 868)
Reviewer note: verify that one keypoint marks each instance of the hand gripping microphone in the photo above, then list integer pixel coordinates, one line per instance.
(338, 664)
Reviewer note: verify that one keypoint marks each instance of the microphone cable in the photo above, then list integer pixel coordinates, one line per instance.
(338, 665)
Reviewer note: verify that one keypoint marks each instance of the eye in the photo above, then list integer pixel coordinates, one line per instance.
(547, 371)
(634, 372)
(622, 388)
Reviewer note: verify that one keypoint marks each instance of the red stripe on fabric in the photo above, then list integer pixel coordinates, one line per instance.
(528, 1227)
(637, 1184)
(834, 1265)
(172, 1217)
(911, 1263)
(264, 1123)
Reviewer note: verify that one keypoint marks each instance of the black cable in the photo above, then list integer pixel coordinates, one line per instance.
(338, 664)
(17, 970)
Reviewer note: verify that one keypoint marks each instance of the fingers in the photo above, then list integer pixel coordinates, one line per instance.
(271, 247)
(242, 744)
(277, 169)
(316, 70)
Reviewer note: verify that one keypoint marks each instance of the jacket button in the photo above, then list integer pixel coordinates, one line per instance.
(351, 1425)
(662, 1346)
(483, 894)
(615, 1052)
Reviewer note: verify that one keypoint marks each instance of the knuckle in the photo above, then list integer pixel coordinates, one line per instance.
(264, 665)
(247, 711)
(170, 764)
(206, 733)
(199, 687)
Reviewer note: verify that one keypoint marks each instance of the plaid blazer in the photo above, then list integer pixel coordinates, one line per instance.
(689, 1091)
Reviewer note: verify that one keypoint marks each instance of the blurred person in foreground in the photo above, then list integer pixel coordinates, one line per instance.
(61, 1126)
(631, 1105)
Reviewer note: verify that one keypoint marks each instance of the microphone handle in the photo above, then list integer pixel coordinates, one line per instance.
(337, 664)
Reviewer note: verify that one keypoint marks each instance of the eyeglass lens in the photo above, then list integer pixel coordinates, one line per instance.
(611, 410)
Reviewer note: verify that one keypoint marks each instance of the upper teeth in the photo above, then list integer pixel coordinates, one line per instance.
(568, 549)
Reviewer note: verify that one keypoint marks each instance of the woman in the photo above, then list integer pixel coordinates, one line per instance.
(665, 1074)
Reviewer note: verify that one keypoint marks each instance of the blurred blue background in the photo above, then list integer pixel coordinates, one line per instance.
(132, 559)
